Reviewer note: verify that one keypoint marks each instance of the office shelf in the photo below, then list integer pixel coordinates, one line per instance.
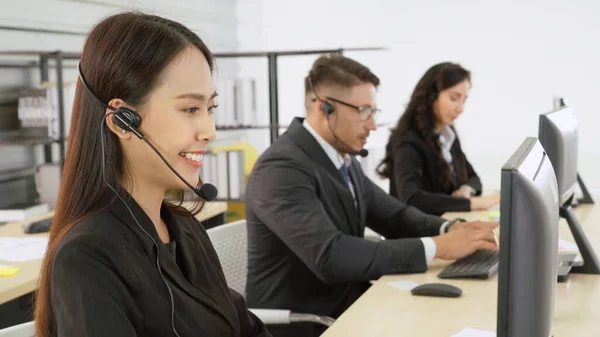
(248, 127)
(261, 127)
(18, 138)
(55, 60)
(272, 58)
(16, 173)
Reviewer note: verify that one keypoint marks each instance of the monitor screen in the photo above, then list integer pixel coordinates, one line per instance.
(559, 136)
(527, 269)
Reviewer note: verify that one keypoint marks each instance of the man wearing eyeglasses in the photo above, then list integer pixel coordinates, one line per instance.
(308, 203)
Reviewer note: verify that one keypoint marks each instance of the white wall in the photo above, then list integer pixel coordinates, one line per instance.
(521, 53)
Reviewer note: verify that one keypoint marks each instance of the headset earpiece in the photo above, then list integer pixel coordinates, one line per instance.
(433, 97)
(327, 108)
(126, 119)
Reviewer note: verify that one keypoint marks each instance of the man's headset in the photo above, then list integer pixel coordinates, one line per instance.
(328, 109)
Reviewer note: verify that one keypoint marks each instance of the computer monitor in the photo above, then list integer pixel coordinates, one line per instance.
(558, 134)
(528, 260)
(547, 135)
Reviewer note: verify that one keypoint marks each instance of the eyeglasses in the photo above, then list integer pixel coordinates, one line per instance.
(364, 112)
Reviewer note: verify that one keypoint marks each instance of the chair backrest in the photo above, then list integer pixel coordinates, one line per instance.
(21, 330)
(230, 242)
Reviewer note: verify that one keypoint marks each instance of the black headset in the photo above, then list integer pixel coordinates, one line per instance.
(124, 118)
(325, 106)
(328, 109)
(128, 119)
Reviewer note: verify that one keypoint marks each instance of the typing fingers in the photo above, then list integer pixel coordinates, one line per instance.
(484, 244)
(485, 234)
(485, 225)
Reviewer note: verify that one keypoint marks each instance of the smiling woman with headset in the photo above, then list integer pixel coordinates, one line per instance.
(124, 260)
(424, 160)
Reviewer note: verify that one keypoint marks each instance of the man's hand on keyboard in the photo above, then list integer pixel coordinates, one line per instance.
(473, 225)
(464, 239)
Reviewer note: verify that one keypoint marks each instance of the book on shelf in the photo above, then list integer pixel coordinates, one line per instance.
(38, 109)
(225, 170)
(20, 212)
(237, 103)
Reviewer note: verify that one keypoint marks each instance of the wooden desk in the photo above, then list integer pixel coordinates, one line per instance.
(385, 310)
(25, 281)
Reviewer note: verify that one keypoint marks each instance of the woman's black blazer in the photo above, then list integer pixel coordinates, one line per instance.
(105, 281)
(414, 178)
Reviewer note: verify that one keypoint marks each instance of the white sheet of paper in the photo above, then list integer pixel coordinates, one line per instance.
(16, 249)
(565, 245)
(404, 285)
(468, 332)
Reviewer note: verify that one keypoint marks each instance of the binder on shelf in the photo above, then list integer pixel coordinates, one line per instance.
(237, 103)
(235, 168)
(225, 170)
(33, 108)
(245, 102)
(38, 109)
(53, 118)
(221, 175)
(225, 115)
(47, 182)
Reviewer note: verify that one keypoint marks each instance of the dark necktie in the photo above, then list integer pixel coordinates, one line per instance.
(345, 173)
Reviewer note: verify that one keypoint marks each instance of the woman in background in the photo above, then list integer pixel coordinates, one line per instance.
(424, 160)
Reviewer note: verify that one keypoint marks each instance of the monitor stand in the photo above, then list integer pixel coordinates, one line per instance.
(591, 264)
(587, 197)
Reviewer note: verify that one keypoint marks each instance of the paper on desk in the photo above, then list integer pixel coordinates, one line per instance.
(16, 249)
(468, 332)
(404, 285)
(564, 245)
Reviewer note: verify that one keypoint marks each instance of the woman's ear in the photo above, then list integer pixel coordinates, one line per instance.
(433, 97)
(110, 119)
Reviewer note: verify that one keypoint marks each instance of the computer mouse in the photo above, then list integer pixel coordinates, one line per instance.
(41, 226)
(436, 290)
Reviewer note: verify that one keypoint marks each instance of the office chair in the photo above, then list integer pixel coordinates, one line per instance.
(21, 330)
(230, 243)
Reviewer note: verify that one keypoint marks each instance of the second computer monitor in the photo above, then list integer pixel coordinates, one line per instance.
(528, 243)
(558, 134)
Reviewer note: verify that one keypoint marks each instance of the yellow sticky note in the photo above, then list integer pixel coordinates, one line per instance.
(6, 270)
(495, 216)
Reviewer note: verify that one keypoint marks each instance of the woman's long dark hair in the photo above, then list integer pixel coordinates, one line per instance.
(123, 57)
(420, 117)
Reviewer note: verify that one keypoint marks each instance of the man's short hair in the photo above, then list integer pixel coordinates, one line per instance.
(338, 70)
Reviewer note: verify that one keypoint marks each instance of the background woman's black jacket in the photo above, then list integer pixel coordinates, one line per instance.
(105, 281)
(415, 180)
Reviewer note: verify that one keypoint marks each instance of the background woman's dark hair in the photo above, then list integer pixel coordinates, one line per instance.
(123, 57)
(419, 116)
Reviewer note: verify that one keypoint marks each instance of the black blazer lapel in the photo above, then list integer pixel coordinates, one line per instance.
(185, 251)
(304, 140)
(313, 149)
(456, 163)
(192, 256)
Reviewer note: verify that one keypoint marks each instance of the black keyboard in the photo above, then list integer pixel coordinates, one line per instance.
(482, 264)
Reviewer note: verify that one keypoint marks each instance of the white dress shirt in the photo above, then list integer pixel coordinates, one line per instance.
(446, 139)
(339, 159)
